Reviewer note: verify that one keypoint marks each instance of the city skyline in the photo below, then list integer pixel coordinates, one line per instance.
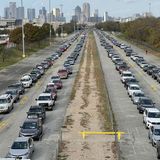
(115, 8)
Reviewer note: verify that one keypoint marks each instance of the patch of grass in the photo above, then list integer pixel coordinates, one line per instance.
(78, 77)
(13, 55)
(85, 119)
(104, 105)
(69, 121)
(144, 46)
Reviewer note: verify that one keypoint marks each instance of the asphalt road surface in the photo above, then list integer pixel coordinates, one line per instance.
(46, 148)
(135, 144)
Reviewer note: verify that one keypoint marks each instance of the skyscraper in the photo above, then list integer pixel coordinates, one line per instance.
(56, 12)
(20, 13)
(78, 13)
(12, 10)
(31, 14)
(43, 14)
(86, 11)
(6, 12)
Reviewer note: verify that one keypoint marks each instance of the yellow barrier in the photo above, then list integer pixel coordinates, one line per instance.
(84, 134)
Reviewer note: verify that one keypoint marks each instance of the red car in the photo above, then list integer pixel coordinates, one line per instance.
(53, 91)
(58, 83)
(63, 73)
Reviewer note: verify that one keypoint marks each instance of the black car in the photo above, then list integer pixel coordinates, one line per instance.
(38, 110)
(17, 86)
(130, 81)
(158, 149)
(144, 103)
(32, 128)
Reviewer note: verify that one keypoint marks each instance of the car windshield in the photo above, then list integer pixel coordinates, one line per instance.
(147, 101)
(19, 145)
(55, 81)
(134, 88)
(35, 109)
(138, 94)
(3, 101)
(44, 98)
(11, 92)
(157, 132)
(29, 125)
(153, 115)
(24, 79)
(127, 75)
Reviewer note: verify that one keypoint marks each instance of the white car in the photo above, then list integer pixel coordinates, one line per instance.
(26, 80)
(154, 134)
(123, 46)
(125, 75)
(143, 64)
(136, 95)
(46, 100)
(6, 103)
(134, 57)
(133, 88)
(151, 117)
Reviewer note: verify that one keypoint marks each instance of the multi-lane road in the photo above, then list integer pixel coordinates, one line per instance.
(135, 144)
(10, 123)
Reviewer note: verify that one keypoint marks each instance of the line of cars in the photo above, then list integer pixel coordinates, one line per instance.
(32, 127)
(14, 91)
(145, 105)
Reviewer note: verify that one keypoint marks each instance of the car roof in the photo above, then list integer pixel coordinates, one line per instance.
(45, 94)
(35, 106)
(5, 95)
(152, 110)
(133, 85)
(127, 72)
(31, 120)
(21, 139)
(156, 127)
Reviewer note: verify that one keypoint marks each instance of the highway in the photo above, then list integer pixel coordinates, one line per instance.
(135, 144)
(10, 123)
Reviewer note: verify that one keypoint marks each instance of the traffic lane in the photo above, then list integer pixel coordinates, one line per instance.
(134, 144)
(150, 86)
(148, 57)
(13, 73)
(12, 129)
(40, 83)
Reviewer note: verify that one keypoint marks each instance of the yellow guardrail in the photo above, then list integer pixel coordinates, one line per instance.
(118, 133)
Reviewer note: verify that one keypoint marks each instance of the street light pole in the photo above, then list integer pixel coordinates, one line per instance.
(50, 32)
(23, 43)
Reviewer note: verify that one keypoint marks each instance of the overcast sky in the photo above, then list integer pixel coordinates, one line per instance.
(116, 8)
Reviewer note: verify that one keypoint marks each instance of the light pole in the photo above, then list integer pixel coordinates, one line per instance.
(61, 20)
(23, 36)
(50, 31)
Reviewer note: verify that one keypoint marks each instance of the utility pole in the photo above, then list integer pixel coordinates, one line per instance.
(149, 7)
(61, 19)
(50, 32)
(23, 36)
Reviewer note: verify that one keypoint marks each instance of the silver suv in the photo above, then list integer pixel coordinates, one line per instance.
(6, 103)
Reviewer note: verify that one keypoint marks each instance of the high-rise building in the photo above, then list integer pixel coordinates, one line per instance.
(86, 11)
(20, 13)
(96, 13)
(43, 14)
(12, 10)
(78, 13)
(106, 17)
(31, 14)
(6, 12)
(56, 12)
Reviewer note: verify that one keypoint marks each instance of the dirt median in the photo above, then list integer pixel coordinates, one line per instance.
(86, 112)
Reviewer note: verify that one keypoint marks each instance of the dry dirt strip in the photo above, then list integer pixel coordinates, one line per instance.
(88, 111)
